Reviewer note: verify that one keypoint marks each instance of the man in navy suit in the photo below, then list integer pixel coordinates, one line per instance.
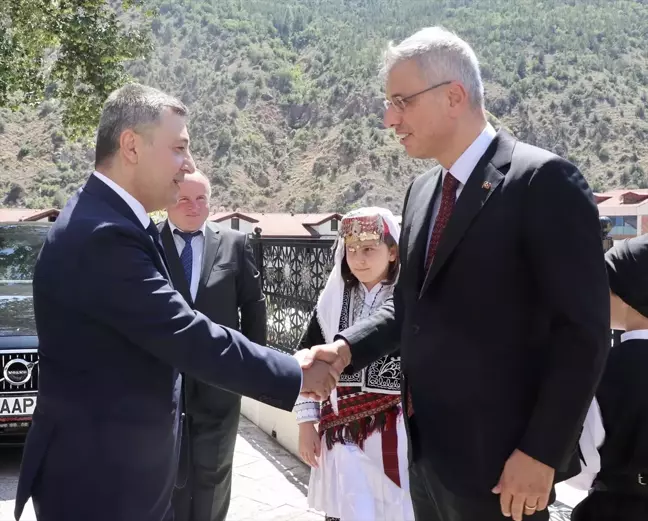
(114, 334)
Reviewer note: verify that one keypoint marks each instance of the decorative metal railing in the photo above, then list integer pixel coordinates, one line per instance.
(293, 272)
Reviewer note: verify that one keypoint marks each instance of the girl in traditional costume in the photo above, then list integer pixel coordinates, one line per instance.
(360, 470)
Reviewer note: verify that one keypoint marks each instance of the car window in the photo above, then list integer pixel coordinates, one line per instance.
(19, 249)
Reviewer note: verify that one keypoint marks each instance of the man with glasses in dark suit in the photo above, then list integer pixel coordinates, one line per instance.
(501, 310)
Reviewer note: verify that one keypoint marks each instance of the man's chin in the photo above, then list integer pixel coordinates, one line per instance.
(416, 154)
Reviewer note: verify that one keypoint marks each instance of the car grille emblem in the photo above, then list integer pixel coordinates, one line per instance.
(18, 371)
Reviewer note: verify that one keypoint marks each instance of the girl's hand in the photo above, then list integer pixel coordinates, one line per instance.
(309, 443)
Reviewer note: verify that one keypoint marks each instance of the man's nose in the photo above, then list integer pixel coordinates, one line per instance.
(189, 165)
(392, 117)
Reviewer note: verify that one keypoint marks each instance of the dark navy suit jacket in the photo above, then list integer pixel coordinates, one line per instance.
(114, 336)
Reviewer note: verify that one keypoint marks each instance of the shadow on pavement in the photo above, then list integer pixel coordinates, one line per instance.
(297, 472)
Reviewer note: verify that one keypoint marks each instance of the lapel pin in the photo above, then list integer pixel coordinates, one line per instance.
(486, 185)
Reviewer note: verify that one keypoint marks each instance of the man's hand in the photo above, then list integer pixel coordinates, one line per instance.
(305, 358)
(524, 486)
(320, 377)
(337, 354)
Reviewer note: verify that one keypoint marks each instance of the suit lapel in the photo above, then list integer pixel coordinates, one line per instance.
(483, 181)
(175, 266)
(212, 243)
(422, 205)
(97, 187)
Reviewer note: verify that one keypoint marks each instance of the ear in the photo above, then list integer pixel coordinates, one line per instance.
(393, 253)
(129, 143)
(457, 96)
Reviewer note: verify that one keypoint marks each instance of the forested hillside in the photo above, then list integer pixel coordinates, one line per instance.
(287, 104)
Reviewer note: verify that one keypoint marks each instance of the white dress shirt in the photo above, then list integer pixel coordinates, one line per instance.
(198, 248)
(133, 203)
(463, 167)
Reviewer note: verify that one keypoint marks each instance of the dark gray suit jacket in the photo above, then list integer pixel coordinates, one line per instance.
(229, 280)
(229, 283)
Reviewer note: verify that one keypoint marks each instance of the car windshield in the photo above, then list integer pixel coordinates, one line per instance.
(20, 245)
(19, 248)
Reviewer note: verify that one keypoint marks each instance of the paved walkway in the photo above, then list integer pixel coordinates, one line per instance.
(269, 483)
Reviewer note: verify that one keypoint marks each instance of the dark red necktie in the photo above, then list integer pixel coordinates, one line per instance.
(448, 198)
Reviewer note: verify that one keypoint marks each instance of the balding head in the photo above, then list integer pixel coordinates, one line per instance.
(199, 177)
(192, 209)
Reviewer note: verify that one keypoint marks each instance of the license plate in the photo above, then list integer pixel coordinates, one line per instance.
(17, 405)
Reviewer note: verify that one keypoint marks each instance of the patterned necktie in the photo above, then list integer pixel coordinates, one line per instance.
(448, 198)
(186, 257)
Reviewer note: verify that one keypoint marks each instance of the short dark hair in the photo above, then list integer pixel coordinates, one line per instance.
(350, 279)
(131, 106)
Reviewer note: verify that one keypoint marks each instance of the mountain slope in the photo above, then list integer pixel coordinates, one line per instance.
(286, 99)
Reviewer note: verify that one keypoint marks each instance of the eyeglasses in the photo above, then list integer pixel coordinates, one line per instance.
(400, 102)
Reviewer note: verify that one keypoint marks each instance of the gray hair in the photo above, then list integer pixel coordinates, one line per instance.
(442, 56)
(132, 106)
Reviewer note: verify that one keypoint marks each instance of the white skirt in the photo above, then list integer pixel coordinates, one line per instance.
(350, 483)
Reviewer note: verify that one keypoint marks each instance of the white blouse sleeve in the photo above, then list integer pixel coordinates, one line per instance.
(307, 410)
(591, 441)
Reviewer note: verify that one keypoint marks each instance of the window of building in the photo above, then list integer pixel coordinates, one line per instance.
(623, 225)
(334, 225)
(235, 223)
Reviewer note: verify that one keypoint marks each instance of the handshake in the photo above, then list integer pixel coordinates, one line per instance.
(322, 366)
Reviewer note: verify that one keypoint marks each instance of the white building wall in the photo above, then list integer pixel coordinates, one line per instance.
(326, 228)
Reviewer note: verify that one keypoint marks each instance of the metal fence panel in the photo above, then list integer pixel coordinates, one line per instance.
(294, 272)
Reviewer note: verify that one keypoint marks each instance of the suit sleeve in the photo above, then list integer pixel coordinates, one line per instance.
(251, 300)
(123, 288)
(564, 247)
(313, 335)
(379, 334)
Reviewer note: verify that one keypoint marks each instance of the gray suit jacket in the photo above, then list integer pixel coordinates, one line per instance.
(229, 283)
(229, 280)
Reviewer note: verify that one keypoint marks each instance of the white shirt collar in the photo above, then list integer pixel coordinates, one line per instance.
(134, 204)
(202, 229)
(375, 290)
(639, 334)
(463, 167)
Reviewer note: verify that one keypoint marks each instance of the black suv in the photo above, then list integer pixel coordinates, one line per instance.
(20, 244)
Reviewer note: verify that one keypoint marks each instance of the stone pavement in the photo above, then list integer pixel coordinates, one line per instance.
(269, 483)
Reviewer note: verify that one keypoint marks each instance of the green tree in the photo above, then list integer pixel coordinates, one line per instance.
(73, 50)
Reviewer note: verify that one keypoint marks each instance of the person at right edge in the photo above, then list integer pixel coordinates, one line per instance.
(614, 443)
(502, 307)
